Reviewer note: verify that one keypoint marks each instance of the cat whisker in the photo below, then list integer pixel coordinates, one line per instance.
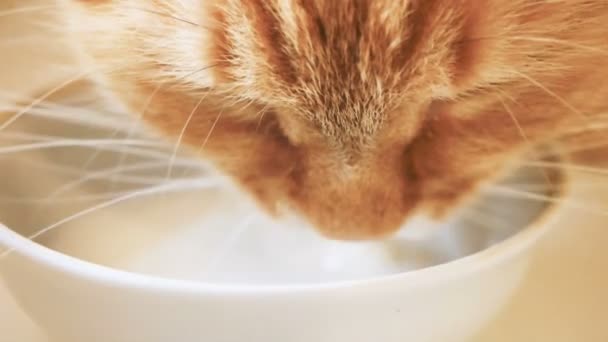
(70, 81)
(566, 166)
(114, 172)
(521, 131)
(573, 147)
(260, 114)
(514, 119)
(147, 105)
(38, 137)
(26, 10)
(134, 150)
(169, 15)
(131, 129)
(598, 125)
(561, 42)
(37, 101)
(91, 143)
(525, 195)
(96, 196)
(163, 188)
(586, 147)
(208, 136)
(138, 179)
(549, 92)
(74, 115)
(42, 8)
(103, 196)
(181, 135)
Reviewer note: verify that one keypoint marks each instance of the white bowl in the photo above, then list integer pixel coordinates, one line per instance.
(75, 300)
(78, 299)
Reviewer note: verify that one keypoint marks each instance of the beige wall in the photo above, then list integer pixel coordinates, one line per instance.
(33, 53)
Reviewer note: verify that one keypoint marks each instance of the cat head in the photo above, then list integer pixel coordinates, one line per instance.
(352, 114)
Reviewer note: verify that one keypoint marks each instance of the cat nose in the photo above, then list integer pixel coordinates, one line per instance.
(357, 208)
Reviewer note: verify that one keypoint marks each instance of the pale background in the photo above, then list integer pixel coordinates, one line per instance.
(564, 298)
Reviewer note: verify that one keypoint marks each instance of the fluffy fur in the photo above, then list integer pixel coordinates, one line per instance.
(354, 114)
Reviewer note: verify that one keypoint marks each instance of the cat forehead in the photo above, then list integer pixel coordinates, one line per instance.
(364, 42)
(340, 64)
(337, 61)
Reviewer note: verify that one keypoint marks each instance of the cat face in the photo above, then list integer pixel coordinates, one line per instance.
(353, 114)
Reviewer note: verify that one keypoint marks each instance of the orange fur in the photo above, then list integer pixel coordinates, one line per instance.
(355, 114)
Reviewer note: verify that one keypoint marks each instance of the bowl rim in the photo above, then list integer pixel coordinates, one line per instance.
(13, 244)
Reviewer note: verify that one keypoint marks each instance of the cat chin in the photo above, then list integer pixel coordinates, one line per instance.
(416, 228)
